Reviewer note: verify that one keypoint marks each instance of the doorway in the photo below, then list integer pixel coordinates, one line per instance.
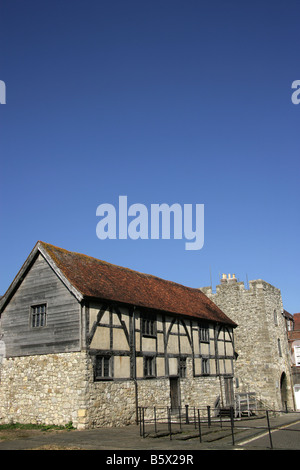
(174, 392)
(229, 395)
(297, 396)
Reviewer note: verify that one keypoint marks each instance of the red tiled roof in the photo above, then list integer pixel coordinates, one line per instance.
(98, 279)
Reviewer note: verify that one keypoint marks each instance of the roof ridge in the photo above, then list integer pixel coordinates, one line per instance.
(45, 244)
(127, 285)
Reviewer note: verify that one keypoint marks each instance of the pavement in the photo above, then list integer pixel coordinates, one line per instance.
(129, 438)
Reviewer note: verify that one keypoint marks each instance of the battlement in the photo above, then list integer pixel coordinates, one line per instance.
(232, 282)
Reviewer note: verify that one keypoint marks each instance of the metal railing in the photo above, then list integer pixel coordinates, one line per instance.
(200, 423)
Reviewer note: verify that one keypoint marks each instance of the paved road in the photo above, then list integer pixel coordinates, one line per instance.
(287, 438)
(249, 435)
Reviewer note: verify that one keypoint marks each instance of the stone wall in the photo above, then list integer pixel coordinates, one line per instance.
(113, 403)
(59, 388)
(44, 389)
(260, 333)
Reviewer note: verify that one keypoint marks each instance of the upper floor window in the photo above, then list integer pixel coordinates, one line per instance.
(38, 315)
(275, 318)
(203, 333)
(148, 326)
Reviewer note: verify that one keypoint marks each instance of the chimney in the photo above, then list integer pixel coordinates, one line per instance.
(224, 279)
(232, 279)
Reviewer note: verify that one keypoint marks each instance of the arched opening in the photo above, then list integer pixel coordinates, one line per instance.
(283, 390)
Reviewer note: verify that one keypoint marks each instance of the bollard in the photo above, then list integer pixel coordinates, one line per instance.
(186, 414)
(208, 416)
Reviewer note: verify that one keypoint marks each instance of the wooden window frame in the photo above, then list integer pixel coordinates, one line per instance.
(205, 366)
(38, 318)
(182, 367)
(203, 333)
(149, 367)
(148, 326)
(105, 367)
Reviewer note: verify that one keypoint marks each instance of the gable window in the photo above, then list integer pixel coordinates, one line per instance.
(203, 333)
(149, 366)
(182, 366)
(148, 326)
(103, 367)
(38, 315)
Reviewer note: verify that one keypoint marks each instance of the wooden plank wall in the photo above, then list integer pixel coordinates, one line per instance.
(62, 331)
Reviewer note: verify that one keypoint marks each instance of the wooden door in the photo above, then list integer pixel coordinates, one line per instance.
(229, 396)
(174, 392)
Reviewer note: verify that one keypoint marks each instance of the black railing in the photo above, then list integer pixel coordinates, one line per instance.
(198, 423)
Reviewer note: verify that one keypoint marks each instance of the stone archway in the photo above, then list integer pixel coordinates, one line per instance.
(283, 390)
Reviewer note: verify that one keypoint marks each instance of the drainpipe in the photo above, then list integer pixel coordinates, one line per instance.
(134, 368)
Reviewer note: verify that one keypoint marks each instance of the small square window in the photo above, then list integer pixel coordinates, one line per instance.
(38, 316)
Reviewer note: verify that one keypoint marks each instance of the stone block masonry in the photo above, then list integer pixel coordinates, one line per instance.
(260, 338)
(59, 388)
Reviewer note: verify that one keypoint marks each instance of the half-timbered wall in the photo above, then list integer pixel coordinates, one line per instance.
(128, 343)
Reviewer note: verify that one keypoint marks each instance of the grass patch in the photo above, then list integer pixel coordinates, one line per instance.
(38, 427)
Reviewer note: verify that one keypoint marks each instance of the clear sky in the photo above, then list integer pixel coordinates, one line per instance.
(163, 101)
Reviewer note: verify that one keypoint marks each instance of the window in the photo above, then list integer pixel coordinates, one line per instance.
(182, 366)
(205, 366)
(103, 367)
(148, 326)
(297, 355)
(275, 318)
(149, 366)
(203, 333)
(38, 316)
(279, 348)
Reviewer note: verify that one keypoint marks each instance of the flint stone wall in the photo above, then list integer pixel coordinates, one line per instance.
(60, 388)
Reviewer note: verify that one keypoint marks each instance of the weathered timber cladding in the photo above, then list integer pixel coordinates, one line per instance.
(62, 331)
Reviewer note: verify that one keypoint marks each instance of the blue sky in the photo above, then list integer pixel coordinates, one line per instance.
(164, 101)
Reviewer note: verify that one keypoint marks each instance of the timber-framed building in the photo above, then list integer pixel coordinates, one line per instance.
(87, 341)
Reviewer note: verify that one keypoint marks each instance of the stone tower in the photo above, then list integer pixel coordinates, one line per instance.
(261, 344)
